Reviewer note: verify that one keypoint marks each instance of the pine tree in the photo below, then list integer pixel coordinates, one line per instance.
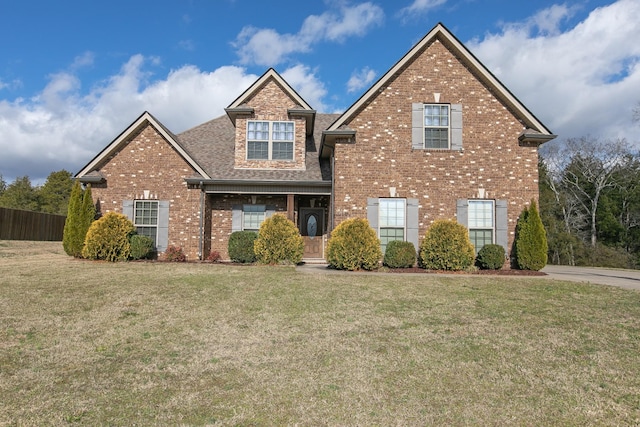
(531, 240)
(72, 240)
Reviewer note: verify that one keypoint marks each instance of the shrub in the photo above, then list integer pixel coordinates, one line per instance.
(354, 245)
(491, 257)
(214, 256)
(80, 215)
(530, 240)
(141, 246)
(446, 246)
(108, 238)
(278, 241)
(400, 254)
(174, 254)
(240, 246)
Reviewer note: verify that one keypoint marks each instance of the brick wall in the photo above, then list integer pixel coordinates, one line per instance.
(270, 103)
(382, 156)
(149, 162)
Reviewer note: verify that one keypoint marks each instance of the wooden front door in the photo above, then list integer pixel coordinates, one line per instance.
(312, 230)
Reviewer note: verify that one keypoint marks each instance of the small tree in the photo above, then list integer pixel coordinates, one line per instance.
(530, 240)
(87, 211)
(354, 245)
(279, 240)
(73, 235)
(446, 246)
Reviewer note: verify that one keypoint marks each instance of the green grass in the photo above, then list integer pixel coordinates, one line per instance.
(91, 343)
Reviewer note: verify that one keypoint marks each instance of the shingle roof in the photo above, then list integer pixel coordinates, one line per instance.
(212, 144)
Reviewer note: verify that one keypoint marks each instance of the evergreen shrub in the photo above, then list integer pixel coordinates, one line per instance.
(240, 246)
(278, 241)
(530, 240)
(108, 238)
(446, 246)
(141, 246)
(491, 257)
(399, 254)
(354, 245)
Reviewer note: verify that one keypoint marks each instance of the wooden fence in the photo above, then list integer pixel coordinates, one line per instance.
(25, 225)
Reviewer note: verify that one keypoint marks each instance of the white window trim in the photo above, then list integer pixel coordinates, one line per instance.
(270, 140)
(263, 210)
(493, 217)
(135, 217)
(404, 222)
(447, 127)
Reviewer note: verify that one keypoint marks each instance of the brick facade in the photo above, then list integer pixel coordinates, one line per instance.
(382, 155)
(147, 162)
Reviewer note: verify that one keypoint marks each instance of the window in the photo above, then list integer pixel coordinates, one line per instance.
(252, 217)
(436, 126)
(145, 219)
(270, 140)
(481, 223)
(391, 221)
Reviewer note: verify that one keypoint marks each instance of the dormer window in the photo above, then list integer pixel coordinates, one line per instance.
(270, 140)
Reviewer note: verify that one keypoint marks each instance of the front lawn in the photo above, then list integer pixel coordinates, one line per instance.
(93, 343)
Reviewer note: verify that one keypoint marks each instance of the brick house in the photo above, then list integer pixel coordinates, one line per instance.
(437, 136)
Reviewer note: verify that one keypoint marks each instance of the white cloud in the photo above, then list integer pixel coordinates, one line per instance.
(265, 46)
(419, 7)
(360, 79)
(308, 86)
(583, 81)
(62, 128)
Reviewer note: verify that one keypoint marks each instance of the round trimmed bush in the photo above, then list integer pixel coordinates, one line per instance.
(354, 245)
(446, 246)
(491, 257)
(278, 241)
(240, 246)
(108, 238)
(399, 254)
(141, 246)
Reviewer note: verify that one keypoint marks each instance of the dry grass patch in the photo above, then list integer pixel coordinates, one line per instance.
(194, 344)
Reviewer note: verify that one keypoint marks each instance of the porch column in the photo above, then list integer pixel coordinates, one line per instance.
(290, 207)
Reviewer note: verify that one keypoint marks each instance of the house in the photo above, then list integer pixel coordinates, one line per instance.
(436, 137)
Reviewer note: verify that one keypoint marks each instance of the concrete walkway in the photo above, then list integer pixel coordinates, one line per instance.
(627, 279)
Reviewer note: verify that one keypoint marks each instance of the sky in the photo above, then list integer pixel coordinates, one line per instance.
(75, 74)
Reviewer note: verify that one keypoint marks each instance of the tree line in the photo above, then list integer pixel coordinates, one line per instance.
(590, 202)
(50, 197)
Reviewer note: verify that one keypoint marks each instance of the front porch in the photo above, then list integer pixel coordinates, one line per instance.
(225, 213)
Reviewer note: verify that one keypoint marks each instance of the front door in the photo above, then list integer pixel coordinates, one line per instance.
(312, 230)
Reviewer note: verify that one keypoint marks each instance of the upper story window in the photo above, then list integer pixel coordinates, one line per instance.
(267, 140)
(436, 126)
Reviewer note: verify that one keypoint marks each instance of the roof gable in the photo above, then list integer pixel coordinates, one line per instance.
(145, 119)
(269, 74)
(441, 33)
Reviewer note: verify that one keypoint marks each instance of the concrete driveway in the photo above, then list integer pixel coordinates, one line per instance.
(627, 279)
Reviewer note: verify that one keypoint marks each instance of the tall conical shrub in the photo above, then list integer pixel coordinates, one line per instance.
(530, 240)
(87, 212)
(72, 237)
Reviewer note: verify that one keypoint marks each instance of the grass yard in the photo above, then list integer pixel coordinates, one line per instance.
(91, 343)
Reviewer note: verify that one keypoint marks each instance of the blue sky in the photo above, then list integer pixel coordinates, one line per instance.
(73, 74)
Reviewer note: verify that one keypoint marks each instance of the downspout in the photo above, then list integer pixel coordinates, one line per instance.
(201, 242)
(333, 191)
